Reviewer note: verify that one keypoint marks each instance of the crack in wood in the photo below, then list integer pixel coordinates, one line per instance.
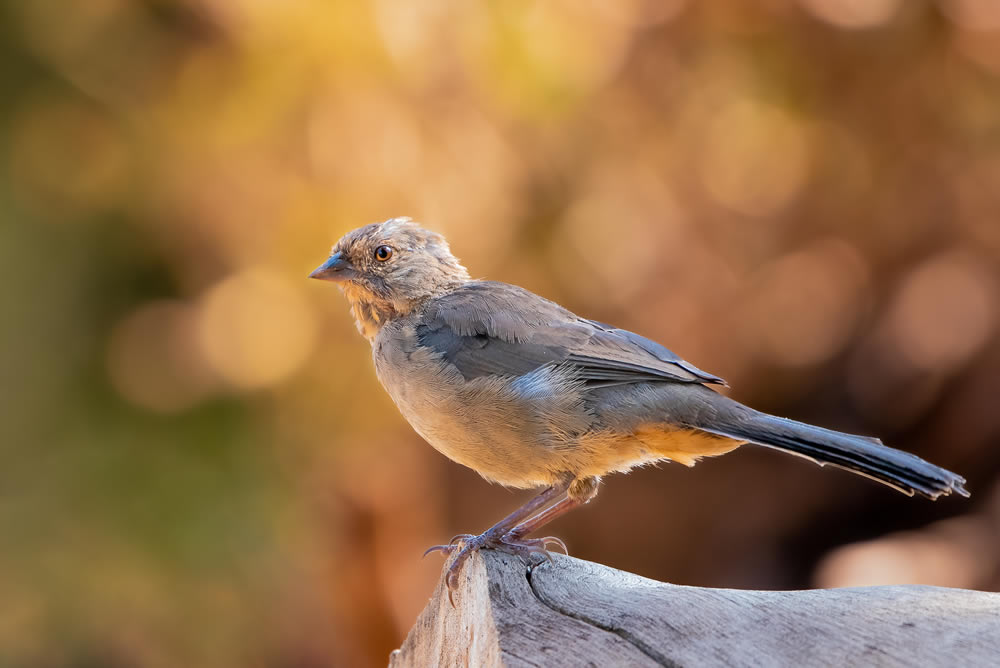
(522, 660)
(578, 613)
(624, 634)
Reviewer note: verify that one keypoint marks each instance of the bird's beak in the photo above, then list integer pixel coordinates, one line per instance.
(336, 268)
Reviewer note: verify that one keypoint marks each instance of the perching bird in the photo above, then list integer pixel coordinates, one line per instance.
(529, 394)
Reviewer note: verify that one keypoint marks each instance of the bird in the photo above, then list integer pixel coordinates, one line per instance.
(531, 395)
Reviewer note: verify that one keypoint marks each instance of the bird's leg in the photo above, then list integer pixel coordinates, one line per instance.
(580, 492)
(518, 533)
(495, 536)
(501, 528)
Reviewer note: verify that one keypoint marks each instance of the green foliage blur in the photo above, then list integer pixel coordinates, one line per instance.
(198, 466)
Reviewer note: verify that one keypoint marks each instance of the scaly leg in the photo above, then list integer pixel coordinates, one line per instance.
(518, 533)
(495, 536)
(580, 492)
(508, 534)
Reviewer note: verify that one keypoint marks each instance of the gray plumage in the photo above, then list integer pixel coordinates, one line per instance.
(608, 378)
(529, 394)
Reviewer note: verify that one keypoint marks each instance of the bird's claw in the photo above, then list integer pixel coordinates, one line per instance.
(450, 546)
(547, 540)
(511, 543)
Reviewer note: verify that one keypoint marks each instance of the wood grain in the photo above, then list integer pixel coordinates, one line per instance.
(576, 613)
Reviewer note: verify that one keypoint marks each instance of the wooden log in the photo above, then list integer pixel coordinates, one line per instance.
(577, 613)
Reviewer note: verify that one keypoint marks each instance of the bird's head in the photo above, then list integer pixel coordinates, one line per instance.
(388, 269)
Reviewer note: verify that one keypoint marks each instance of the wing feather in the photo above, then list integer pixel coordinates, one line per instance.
(487, 328)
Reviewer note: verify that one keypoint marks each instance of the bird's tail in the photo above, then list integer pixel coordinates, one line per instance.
(860, 454)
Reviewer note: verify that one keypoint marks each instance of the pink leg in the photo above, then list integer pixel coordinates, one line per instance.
(504, 526)
(580, 491)
(508, 534)
(494, 537)
(532, 524)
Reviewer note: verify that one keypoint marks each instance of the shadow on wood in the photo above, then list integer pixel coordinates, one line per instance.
(577, 613)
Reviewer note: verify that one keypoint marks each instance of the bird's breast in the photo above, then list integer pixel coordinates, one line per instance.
(518, 431)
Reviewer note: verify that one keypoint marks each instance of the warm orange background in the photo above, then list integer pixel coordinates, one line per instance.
(198, 466)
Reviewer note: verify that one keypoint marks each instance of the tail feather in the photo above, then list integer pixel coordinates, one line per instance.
(859, 454)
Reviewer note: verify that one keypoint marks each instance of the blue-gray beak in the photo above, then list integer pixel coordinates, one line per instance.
(336, 268)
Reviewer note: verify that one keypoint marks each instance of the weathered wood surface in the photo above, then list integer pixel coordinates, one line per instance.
(577, 613)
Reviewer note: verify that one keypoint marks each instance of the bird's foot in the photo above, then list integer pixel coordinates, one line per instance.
(451, 545)
(512, 543)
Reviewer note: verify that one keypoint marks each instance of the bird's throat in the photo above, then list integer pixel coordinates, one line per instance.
(370, 312)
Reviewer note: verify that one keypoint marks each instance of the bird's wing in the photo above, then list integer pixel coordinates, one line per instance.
(619, 350)
(486, 328)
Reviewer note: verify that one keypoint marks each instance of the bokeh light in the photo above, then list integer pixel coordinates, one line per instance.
(154, 360)
(756, 159)
(255, 329)
(801, 196)
(945, 311)
(975, 15)
(853, 14)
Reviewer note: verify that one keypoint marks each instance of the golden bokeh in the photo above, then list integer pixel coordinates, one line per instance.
(801, 196)
(756, 158)
(255, 329)
(154, 359)
(854, 14)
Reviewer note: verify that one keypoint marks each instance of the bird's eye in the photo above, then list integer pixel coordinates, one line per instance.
(383, 253)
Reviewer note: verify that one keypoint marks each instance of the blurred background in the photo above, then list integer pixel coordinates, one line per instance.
(198, 465)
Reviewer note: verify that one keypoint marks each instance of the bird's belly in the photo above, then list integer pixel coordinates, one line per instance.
(529, 430)
(469, 433)
(486, 424)
(608, 451)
